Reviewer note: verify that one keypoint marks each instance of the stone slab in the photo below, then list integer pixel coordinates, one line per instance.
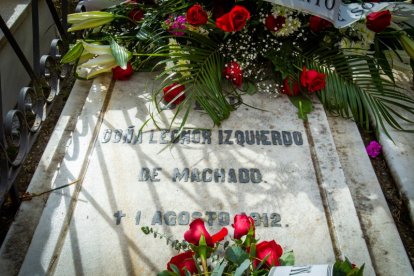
(56, 213)
(24, 225)
(297, 190)
(399, 149)
(385, 246)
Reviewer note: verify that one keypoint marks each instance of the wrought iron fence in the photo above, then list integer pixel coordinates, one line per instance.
(20, 126)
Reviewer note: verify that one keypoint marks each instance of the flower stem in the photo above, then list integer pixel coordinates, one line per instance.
(204, 265)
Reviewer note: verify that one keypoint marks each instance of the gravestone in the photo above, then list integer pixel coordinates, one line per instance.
(262, 161)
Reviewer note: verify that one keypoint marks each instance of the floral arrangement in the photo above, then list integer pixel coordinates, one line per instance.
(208, 51)
(204, 254)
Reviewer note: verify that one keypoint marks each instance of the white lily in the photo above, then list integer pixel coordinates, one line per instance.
(102, 61)
(88, 20)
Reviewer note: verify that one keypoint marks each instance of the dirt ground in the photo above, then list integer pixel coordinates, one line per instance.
(395, 201)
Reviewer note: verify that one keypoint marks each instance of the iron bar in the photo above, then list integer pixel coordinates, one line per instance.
(36, 34)
(65, 8)
(56, 19)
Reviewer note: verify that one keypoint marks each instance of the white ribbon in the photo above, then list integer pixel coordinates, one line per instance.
(342, 15)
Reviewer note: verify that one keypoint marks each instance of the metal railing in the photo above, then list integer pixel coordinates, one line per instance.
(20, 126)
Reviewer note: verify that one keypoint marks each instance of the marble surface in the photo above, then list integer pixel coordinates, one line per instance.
(287, 174)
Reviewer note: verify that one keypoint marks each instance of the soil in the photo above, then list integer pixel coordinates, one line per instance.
(396, 202)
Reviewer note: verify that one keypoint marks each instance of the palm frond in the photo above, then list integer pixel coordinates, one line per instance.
(357, 86)
(201, 74)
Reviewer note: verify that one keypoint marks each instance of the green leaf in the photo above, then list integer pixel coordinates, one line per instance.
(236, 255)
(219, 269)
(249, 87)
(253, 250)
(175, 269)
(344, 268)
(303, 104)
(145, 229)
(73, 54)
(242, 267)
(120, 53)
(166, 273)
(205, 64)
(382, 60)
(287, 259)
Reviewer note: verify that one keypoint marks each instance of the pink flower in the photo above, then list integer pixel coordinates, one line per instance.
(374, 149)
(176, 24)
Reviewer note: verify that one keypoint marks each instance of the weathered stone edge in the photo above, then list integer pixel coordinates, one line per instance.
(16, 244)
(346, 232)
(401, 163)
(386, 249)
(46, 243)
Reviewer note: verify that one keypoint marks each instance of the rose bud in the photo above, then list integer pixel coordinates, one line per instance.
(270, 249)
(317, 24)
(136, 14)
(184, 262)
(378, 21)
(274, 24)
(196, 15)
(122, 74)
(290, 87)
(172, 91)
(242, 225)
(197, 228)
(233, 72)
(312, 80)
(235, 20)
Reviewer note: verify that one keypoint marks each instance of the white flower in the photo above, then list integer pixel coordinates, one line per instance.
(98, 59)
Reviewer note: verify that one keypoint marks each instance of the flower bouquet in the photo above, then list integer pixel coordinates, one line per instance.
(208, 51)
(246, 255)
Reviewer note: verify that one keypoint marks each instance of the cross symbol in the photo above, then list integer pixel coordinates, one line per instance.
(119, 215)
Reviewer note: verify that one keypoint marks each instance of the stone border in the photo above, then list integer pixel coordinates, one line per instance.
(384, 242)
(18, 239)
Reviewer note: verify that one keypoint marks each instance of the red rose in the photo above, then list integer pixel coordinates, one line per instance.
(234, 20)
(196, 15)
(122, 74)
(274, 24)
(271, 249)
(290, 87)
(136, 14)
(317, 24)
(233, 73)
(183, 262)
(172, 91)
(378, 21)
(312, 80)
(242, 224)
(197, 228)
